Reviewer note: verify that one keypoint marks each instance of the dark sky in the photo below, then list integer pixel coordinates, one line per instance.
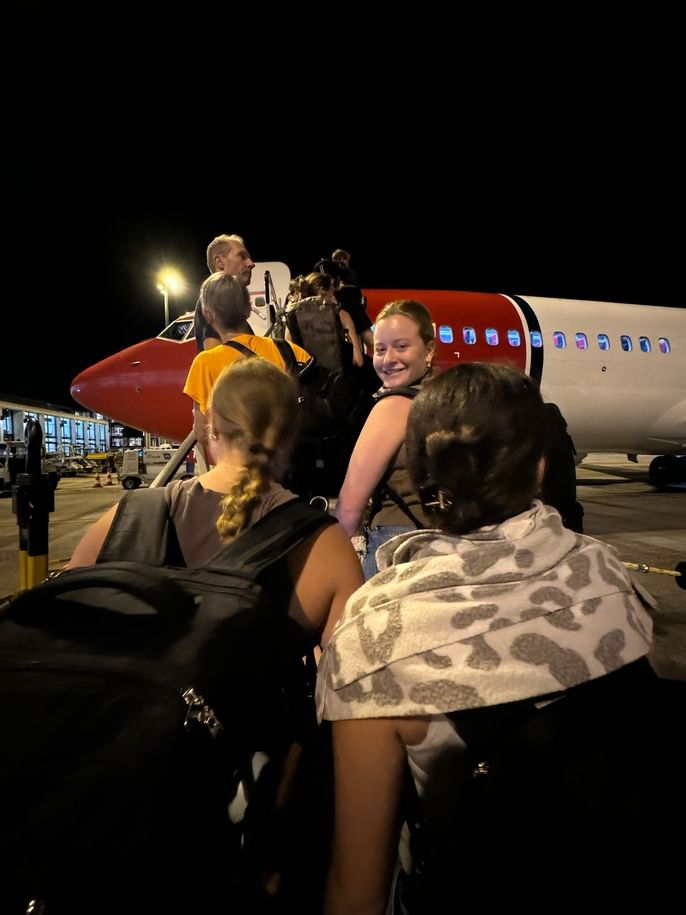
(440, 158)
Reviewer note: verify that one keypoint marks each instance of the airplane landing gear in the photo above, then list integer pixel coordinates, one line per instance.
(668, 471)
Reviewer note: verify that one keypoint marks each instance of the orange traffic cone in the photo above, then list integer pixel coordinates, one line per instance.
(97, 481)
(109, 482)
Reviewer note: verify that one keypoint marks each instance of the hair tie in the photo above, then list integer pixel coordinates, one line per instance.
(436, 497)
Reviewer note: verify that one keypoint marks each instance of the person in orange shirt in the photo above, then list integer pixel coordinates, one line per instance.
(226, 305)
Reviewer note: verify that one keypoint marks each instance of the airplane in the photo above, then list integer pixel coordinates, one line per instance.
(616, 371)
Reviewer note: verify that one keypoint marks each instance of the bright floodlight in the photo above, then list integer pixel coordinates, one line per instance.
(168, 280)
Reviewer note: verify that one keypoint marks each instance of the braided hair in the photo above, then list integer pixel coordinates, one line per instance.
(255, 405)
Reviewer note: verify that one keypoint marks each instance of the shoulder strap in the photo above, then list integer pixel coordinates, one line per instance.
(240, 347)
(141, 530)
(384, 488)
(283, 346)
(288, 356)
(403, 391)
(271, 538)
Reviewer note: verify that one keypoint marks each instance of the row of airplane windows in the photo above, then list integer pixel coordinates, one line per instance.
(183, 330)
(581, 341)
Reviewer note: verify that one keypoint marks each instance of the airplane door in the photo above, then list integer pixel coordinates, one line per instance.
(280, 274)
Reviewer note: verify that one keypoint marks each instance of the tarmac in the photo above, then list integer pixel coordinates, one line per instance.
(621, 507)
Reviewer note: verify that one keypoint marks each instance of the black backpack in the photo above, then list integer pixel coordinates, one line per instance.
(316, 326)
(152, 714)
(565, 805)
(334, 409)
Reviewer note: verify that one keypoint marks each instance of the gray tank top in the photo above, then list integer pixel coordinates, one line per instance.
(195, 510)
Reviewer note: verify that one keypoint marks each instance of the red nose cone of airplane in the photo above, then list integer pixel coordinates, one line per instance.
(141, 387)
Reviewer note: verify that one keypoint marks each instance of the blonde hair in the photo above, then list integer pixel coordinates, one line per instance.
(221, 245)
(415, 311)
(255, 406)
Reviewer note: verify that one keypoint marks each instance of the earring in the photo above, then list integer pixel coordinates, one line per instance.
(211, 433)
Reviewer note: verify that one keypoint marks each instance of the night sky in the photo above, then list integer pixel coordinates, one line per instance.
(439, 158)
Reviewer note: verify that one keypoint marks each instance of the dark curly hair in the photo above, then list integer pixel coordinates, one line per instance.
(475, 436)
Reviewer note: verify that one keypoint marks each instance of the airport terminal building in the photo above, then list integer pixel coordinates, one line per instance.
(70, 432)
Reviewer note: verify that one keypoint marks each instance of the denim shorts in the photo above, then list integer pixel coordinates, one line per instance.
(375, 537)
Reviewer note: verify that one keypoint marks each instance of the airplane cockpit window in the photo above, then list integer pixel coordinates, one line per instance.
(445, 333)
(536, 339)
(491, 336)
(513, 337)
(581, 341)
(627, 345)
(559, 339)
(178, 330)
(603, 341)
(644, 344)
(664, 345)
(469, 335)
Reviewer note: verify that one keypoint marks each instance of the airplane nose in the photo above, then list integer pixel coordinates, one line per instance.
(141, 387)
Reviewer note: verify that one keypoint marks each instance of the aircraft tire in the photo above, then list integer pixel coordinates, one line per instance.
(667, 470)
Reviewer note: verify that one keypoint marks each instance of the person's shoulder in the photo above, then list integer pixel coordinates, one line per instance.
(329, 547)
(390, 401)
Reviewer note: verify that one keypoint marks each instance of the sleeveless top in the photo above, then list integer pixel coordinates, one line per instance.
(195, 509)
(399, 479)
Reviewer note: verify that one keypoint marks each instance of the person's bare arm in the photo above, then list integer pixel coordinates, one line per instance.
(367, 337)
(369, 770)
(349, 327)
(381, 436)
(87, 549)
(325, 570)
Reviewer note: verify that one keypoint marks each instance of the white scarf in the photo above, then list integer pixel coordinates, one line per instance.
(507, 612)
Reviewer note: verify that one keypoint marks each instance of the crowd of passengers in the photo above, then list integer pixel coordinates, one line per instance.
(493, 600)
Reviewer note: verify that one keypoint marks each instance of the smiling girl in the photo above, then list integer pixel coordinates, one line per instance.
(404, 348)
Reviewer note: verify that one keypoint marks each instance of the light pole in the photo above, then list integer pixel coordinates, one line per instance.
(162, 287)
(168, 280)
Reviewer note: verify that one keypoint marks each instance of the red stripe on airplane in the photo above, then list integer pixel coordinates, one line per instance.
(478, 310)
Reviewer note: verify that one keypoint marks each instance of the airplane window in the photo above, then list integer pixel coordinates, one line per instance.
(581, 341)
(644, 343)
(536, 339)
(176, 331)
(469, 335)
(627, 345)
(603, 341)
(663, 343)
(513, 338)
(559, 339)
(491, 336)
(445, 333)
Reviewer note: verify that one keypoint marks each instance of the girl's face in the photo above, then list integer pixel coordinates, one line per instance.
(400, 355)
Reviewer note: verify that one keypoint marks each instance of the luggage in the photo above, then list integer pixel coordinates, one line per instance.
(151, 716)
(566, 805)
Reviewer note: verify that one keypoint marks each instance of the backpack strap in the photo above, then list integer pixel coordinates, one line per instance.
(404, 390)
(141, 530)
(294, 368)
(240, 348)
(288, 356)
(271, 538)
(383, 487)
